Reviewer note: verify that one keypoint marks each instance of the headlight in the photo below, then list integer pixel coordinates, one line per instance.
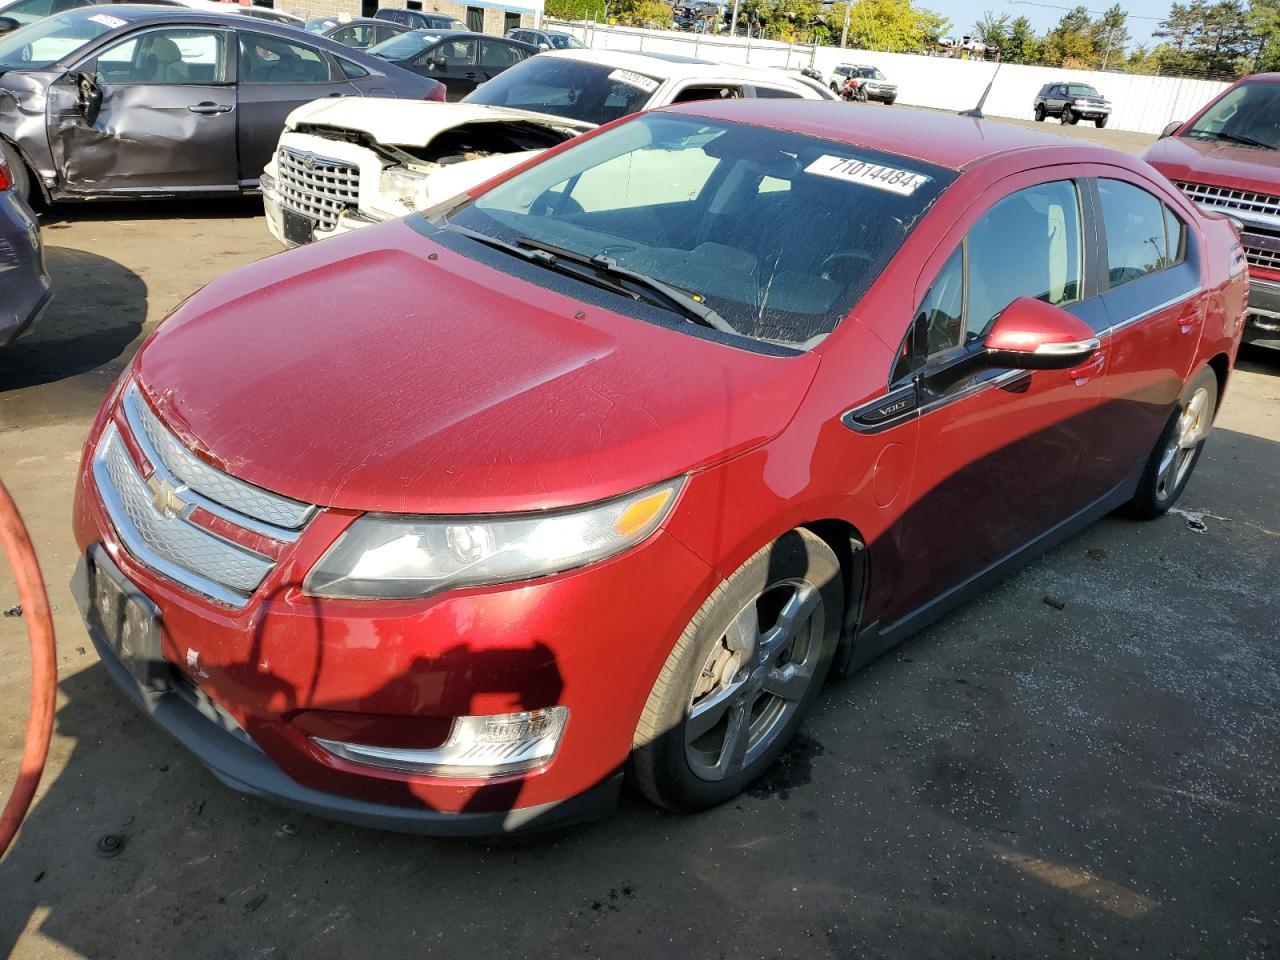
(387, 556)
(407, 186)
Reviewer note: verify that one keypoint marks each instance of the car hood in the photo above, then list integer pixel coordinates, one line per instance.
(1218, 163)
(383, 371)
(414, 123)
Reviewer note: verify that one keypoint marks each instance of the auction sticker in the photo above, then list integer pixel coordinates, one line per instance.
(638, 80)
(113, 22)
(877, 175)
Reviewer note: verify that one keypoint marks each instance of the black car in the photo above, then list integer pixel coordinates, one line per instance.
(546, 39)
(1071, 103)
(157, 101)
(417, 20)
(23, 280)
(364, 32)
(459, 59)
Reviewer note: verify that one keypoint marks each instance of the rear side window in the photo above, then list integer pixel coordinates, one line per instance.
(715, 91)
(352, 70)
(773, 93)
(267, 59)
(494, 53)
(1138, 237)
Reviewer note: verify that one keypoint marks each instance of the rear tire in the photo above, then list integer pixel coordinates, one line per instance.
(1176, 453)
(18, 172)
(1039, 112)
(771, 626)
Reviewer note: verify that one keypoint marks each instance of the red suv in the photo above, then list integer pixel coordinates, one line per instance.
(444, 524)
(1225, 159)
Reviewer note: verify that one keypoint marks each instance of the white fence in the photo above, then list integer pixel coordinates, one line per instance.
(1140, 103)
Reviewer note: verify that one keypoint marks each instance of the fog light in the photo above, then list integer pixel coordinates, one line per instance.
(486, 746)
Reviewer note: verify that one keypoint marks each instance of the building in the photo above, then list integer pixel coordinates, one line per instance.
(484, 16)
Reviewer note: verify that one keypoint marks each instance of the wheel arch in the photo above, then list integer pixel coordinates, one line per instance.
(1220, 364)
(37, 183)
(850, 548)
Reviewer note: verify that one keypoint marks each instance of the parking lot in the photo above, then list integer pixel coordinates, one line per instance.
(1083, 762)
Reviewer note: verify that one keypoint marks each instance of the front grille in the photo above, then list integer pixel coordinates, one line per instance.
(1266, 259)
(151, 510)
(1225, 198)
(317, 187)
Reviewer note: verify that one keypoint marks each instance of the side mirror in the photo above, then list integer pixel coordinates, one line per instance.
(8, 25)
(544, 46)
(90, 98)
(1032, 335)
(1170, 129)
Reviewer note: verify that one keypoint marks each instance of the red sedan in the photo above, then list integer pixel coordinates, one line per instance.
(444, 525)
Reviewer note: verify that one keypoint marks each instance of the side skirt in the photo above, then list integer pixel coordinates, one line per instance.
(873, 640)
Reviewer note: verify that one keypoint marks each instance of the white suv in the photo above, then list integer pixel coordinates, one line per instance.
(345, 163)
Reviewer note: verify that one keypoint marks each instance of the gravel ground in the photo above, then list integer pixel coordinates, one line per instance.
(1018, 781)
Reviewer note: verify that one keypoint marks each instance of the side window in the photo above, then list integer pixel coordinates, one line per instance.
(266, 59)
(1176, 232)
(707, 92)
(351, 70)
(1027, 245)
(939, 323)
(494, 53)
(771, 93)
(453, 53)
(1137, 241)
(164, 56)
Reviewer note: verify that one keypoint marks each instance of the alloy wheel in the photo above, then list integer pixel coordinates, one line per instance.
(754, 679)
(1190, 431)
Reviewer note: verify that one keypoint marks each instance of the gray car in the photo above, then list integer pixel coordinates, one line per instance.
(1071, 103)
(141, 101)
(23, 280)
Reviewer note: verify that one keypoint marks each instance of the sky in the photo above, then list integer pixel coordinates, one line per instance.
(1045, 14)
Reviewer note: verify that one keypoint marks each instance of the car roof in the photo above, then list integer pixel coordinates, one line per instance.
(358, 20)
(944, 139)
(669, 65)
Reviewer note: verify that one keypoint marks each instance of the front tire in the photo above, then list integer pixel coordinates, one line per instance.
(18, 173)
(1176, 453)
(1068, 116)
(1100, 122)
(742, 676)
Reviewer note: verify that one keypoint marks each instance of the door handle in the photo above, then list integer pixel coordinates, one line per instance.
(471, 75)
(1089, 369)
(1188, 323)
(337, 94)
(209, 108)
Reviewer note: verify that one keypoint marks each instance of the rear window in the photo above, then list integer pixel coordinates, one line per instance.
(404, 46)
(590, 92)
(778, 233)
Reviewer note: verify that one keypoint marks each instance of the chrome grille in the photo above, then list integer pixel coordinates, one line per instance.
(1243, 201)
(1266, 259)
(152, 512)
(317, 187)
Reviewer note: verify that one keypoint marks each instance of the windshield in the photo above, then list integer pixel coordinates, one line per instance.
(320, 24)
(777, 233)
(562, 41)
(590, 92)
(48, 41)
(1081, 90)
(1248, 114)
(404, 46)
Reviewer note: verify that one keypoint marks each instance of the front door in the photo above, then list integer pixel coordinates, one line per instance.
(166, 121)
(453, 62)
(275, 77)
(997, 449)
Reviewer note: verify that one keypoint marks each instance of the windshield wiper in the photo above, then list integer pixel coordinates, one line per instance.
(660, 293)
(1236, 138)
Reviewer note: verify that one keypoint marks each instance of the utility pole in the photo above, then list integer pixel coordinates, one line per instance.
(733, 23)
(1106, 53)
(844, 34)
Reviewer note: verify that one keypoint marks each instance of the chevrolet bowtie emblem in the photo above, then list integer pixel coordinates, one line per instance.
(166, 496)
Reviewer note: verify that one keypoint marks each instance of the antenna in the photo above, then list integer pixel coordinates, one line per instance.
(976, 112)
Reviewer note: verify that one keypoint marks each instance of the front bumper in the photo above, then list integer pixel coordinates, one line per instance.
(1262, 317)
(238, 763)
(275, 222)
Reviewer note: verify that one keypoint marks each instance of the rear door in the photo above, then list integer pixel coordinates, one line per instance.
(167, 119)
(275, 76)
(1154, 313)
(496, 56)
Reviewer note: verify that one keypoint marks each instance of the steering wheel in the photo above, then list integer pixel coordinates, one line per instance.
(826, 270)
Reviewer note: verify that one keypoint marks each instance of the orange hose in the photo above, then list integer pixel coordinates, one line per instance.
(44, 670)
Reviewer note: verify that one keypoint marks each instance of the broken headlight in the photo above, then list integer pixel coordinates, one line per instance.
(406, 186)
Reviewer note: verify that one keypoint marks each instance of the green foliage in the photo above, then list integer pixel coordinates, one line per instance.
(1024, 46)
(575, 9)
(896, 26)
(1213, 39)
(994, 32)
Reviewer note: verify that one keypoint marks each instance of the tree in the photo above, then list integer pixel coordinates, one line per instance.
(1073, 42)
(1112, 35)
(1210, 40)
(1264, 22)
(1023, 45)
(994, 32)
(896, 26)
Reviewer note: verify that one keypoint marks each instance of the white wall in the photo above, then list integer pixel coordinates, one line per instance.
(1140, 103)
